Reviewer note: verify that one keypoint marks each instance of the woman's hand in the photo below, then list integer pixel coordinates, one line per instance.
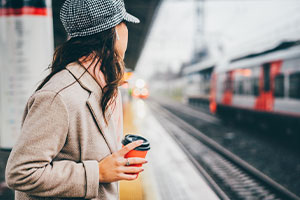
(113, 167)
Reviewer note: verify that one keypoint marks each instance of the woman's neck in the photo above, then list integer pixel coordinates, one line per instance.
(94, 69)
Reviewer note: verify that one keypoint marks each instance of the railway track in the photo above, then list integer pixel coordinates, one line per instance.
(229, 176)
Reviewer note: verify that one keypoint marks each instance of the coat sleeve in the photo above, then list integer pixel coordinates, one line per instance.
(30, 167)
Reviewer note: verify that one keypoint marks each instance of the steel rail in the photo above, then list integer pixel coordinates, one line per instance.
(228, 155)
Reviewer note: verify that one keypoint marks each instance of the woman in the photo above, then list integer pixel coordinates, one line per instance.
(69, 146)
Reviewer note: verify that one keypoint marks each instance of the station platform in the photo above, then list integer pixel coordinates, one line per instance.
(169, 174)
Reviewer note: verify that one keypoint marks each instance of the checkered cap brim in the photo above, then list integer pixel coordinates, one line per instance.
(88, 17)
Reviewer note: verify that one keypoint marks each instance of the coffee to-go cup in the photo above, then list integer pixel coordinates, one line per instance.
(139, 151)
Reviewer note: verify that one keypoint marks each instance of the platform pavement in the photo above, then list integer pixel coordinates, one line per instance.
(169, 173)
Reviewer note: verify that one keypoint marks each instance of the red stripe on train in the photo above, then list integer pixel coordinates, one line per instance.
(24, 11)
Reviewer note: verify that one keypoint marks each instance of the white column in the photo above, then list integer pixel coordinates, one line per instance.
(26, 48)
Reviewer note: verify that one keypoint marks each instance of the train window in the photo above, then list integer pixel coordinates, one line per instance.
(279, 86)
(235, 87)
(240, 88)
(247, 86)
(294, 90)
(228, 84)
(255, 86)
(190, 78)
(266, 68)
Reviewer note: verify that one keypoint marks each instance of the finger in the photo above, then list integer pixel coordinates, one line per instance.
(132, 170)
(136, 160)
(128, 177)
(130, 147)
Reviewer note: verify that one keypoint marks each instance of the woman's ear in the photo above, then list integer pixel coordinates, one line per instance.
(117, 35)
(121, 32)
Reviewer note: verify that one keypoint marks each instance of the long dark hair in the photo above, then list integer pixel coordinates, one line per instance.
(102, 45)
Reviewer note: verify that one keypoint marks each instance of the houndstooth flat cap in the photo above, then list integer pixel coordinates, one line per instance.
(88, 17)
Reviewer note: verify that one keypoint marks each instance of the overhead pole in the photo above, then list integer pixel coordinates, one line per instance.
(200, 23)
(199, 33)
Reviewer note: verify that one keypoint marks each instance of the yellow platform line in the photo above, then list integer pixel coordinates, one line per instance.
(131, 190)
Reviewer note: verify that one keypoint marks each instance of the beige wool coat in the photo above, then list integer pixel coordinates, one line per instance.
(63, 137)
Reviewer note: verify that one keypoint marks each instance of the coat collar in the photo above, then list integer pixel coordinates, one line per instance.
(89, 83)
(84, 78)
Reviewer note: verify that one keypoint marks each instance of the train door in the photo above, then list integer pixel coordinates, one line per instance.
(213, 91)
(228, 88)
(265, 99)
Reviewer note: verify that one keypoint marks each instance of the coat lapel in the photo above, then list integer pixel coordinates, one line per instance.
(106, 130)
(93, 103)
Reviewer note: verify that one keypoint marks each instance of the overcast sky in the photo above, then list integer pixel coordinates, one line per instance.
(233, 23)
(171, 38)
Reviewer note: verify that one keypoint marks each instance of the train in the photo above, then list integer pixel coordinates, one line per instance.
(263, 86)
